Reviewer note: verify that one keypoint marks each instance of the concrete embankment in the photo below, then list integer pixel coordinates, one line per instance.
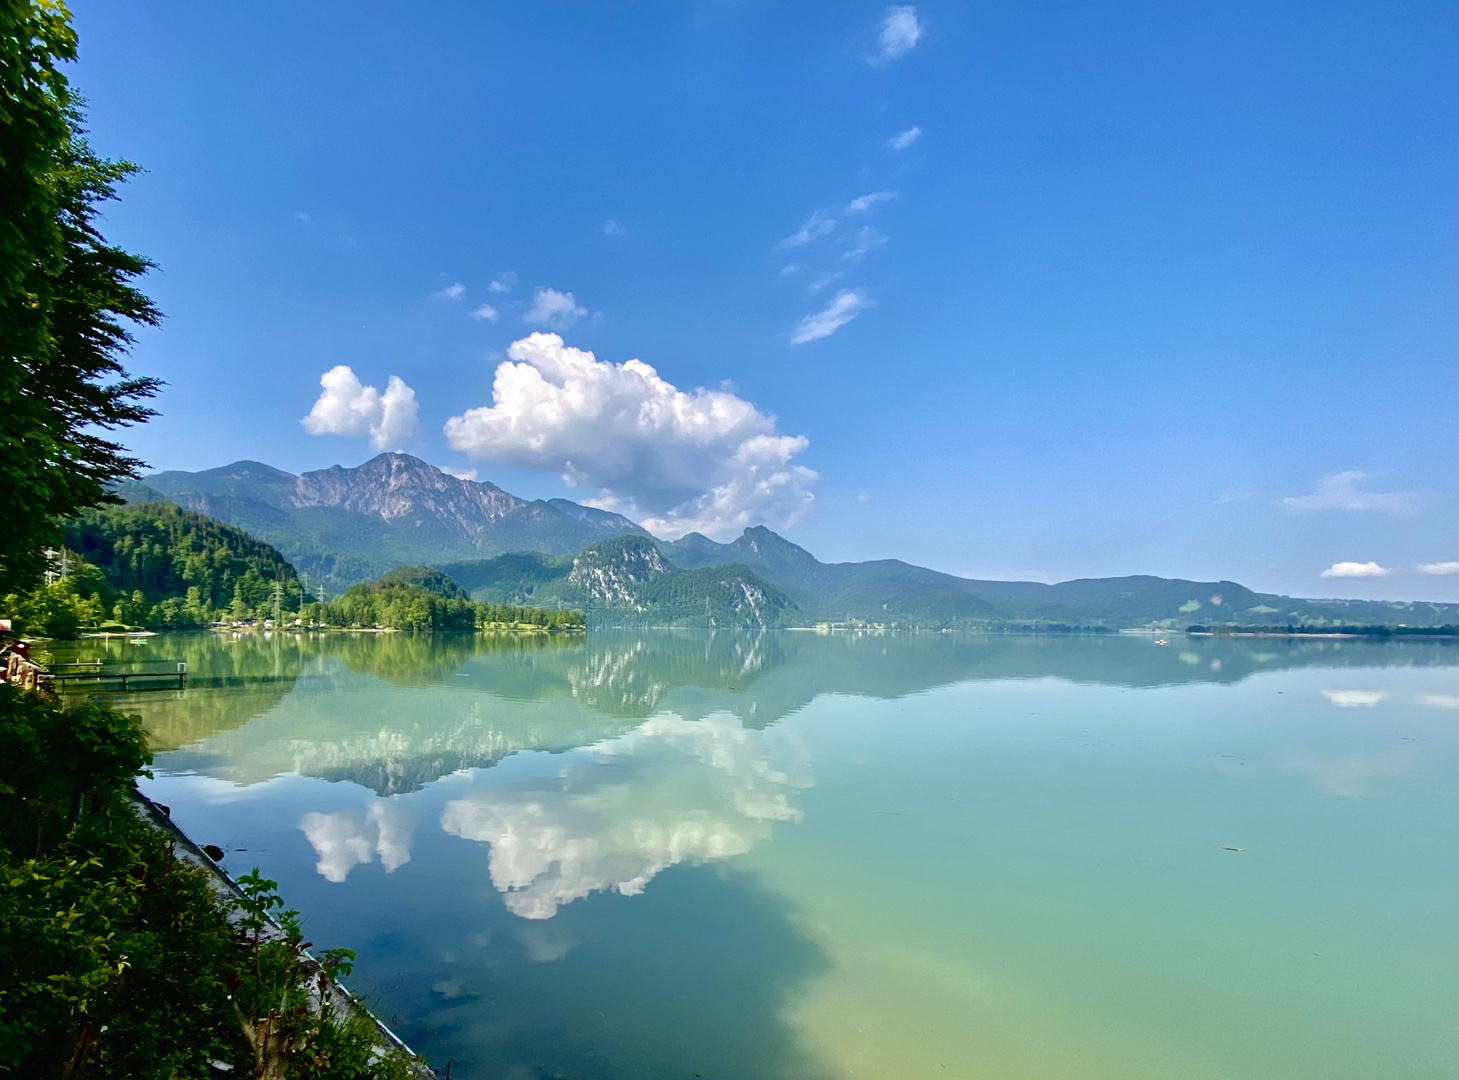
(158, 816)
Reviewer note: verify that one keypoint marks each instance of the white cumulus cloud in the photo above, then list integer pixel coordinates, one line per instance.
(1438, 569)
(903, 139)
(503, 284)
(680, 461)
(553, 308)
(1339, 491)
(900, 32)
(847, 304)
(451, 292)
(486, 313)
(1355, 570)
(347, 407)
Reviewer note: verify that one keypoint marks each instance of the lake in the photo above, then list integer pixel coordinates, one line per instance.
(672, 855)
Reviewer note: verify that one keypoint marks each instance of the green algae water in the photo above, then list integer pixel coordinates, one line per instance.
(676, 855)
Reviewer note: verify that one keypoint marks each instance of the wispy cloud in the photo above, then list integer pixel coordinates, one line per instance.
(458, 472)
(904, 139)
(862, 203)
(504, 283)
(612, 228)
(451, 292)
(824, 222)
(553, 308)
(1339, 491)
(847, 304)
(900, 32)
(347, 407)
(860, 244)
(1438, 569)
(1355, 570)
(816, 226)
(299, 215)
(486, 313)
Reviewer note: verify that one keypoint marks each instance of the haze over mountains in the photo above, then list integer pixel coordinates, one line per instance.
(342, 525)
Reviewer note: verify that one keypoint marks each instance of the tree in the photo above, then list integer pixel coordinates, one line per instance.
(67, 302)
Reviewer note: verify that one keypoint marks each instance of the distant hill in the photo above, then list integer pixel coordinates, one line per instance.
(422, 598)
(627, 581)
(341, 526)
(893, 592)
(436, 582)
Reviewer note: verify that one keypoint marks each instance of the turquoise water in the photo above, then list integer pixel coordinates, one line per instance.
(668, 855)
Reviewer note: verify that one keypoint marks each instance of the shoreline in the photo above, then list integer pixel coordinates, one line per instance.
(187, 850)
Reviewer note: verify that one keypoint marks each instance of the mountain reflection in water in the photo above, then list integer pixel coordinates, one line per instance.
(566, 692)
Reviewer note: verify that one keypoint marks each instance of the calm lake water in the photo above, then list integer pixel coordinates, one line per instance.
(677, 855)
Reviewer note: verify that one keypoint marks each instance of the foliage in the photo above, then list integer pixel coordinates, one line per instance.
(159, 567)
(397, 602)
(59, 609)
(116, 958)
(436, 582)
(66, 299)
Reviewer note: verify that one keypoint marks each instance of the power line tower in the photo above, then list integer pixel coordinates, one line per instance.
(278, 601)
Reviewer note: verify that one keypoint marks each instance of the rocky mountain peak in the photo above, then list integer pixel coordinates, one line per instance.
(392, 486)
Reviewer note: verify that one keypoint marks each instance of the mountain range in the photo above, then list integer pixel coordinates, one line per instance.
(343, 525)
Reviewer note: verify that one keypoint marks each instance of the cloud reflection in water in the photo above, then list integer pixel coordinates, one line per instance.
(623, 810)
(348, 839)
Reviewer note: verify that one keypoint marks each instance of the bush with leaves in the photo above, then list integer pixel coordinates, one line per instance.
(119, 960)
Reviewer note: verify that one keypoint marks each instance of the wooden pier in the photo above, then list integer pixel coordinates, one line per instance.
(94, 675)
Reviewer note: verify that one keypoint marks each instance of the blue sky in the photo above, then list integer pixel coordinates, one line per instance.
(1026, 289)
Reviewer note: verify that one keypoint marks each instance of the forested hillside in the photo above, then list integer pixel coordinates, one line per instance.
(154, 566)
(171, 567)
(627, 581)
(421, 598)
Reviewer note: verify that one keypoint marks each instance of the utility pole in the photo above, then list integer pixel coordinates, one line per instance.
(278, 601)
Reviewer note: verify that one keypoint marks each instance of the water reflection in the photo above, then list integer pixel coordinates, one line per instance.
(467, 694)
(344, 840)
(703, 869)
(624, 810)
